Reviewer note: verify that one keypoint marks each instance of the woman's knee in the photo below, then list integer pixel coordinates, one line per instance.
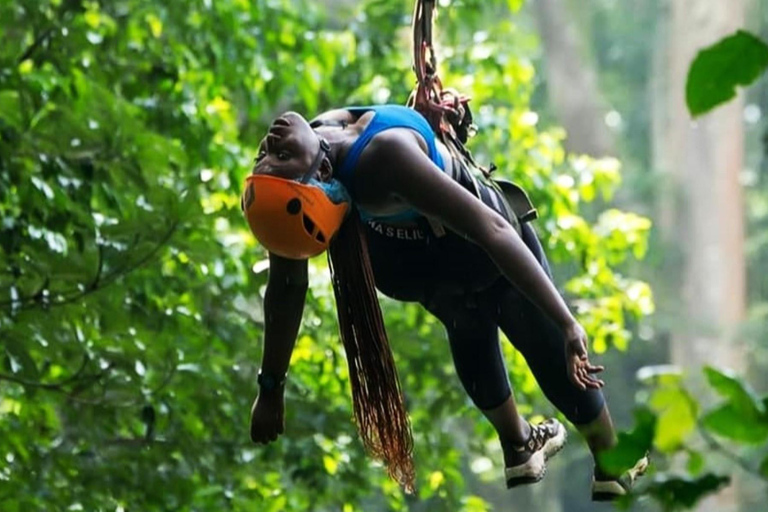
(582, 408)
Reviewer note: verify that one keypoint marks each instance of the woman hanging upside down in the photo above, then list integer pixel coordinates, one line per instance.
(396, 210)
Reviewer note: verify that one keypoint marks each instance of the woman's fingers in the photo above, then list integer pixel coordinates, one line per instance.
(595, 382)
(265, 436)
(577, 375)
(572, 374)
(583, 372)
(580, 372)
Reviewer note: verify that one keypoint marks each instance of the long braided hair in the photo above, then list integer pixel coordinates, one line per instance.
(378, 403)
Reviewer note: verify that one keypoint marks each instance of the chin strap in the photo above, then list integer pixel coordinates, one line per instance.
(323, 151)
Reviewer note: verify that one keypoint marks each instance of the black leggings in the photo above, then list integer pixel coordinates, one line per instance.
(472, 321)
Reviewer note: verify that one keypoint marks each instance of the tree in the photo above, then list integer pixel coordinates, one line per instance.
(131, 311)
(572, 82)
(682, 422)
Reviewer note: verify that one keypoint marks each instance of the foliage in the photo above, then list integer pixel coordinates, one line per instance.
(628, 59)
(681, 493)
(736, 60)
(132, 293)
(631, 446)
(736, 427)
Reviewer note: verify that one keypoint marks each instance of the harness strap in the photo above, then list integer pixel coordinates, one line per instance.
(447, 111)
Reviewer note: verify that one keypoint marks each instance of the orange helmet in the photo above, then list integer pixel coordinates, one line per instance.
(291, 218)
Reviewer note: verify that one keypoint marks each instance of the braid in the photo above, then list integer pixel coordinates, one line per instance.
(378, 403)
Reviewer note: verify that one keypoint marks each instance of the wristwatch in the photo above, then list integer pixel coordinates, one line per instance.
(269, 382)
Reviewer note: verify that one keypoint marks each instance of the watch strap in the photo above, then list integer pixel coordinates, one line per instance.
(270, 381)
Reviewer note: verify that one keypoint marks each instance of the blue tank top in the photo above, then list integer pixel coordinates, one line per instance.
(384, 118)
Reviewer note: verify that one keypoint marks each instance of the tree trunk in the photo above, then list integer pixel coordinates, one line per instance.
(702, 208)
(572, 82)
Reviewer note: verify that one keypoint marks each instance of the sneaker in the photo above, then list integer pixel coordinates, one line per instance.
(609, 490)
(546, 440)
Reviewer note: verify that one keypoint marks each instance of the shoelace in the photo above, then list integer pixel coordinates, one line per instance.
(539, 435)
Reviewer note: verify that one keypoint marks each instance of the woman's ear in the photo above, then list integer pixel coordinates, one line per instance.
(325, 173)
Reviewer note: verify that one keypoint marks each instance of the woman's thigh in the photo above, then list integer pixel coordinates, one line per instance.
(474, 340)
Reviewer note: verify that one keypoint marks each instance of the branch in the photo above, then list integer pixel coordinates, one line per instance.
(87, 382)
(716, 445)
(99, 268)
(59, 386)
(151, 254)
(79, 371)
(29, 383)
(131, 442)
(32, 48)
(90, 381)
(166, 380)
(33, 301)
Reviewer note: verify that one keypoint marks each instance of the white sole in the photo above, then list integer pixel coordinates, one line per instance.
(609, 490)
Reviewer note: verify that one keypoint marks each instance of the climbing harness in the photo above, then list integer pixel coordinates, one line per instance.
(446, 109)
(448, 112)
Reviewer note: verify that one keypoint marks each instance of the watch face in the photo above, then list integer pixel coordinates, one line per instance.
(268, 382)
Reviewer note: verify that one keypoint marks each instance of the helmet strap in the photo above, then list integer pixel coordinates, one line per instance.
(322, 152)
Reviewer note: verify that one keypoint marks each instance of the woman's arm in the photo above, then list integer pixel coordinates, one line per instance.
(407, 171)
(283, 308)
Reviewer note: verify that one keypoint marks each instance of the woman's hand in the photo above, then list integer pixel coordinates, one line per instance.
(580, 370)
(267, 417)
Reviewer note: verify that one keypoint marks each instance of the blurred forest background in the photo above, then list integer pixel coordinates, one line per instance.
(131, 290)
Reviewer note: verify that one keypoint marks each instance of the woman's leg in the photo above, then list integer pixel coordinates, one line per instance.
(541, 343)
(474, 341)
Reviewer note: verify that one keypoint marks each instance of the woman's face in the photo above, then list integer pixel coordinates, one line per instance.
(288, 149)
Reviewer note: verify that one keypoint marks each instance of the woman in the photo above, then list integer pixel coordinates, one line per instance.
(417, 224)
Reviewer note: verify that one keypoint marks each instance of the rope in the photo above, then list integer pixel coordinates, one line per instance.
(427, 98)
(446, 109)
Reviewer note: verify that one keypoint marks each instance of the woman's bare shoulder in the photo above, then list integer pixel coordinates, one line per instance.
(337, 114)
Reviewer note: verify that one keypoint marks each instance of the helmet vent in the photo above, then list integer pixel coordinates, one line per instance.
(293, 206)
(309, 225)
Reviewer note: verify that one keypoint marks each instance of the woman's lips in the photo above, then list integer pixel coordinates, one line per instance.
(278, 130)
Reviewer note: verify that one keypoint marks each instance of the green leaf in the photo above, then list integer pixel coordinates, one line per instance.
(676, 411)
(330, 464)
(21, 362)
(739, 393)
(680, 493)
(720, 68)
(764, 468)
(10, 108)
(475, 504)
(631, 446)
(695, 462)
(730, 422)
(121, 119)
